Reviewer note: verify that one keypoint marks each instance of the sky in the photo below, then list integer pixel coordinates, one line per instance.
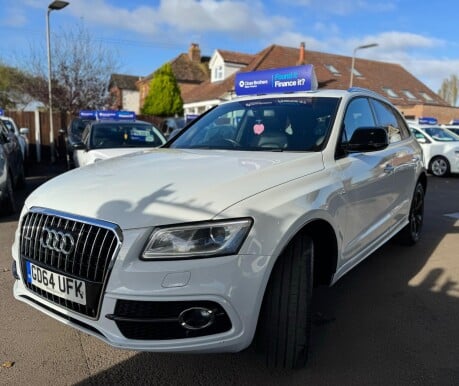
(422, 36)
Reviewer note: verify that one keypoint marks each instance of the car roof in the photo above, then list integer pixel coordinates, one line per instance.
(320, 93)
(111, 121)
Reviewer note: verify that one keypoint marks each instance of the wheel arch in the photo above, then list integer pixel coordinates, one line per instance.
(325, 249)
(423, 180)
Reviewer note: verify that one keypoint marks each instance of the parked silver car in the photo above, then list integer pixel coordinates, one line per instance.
(20, 133)
(7, 203)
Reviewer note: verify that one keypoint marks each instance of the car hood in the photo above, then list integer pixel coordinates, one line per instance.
(101, 154)
(165, 186)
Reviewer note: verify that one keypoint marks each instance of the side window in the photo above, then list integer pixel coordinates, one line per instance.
(390, 119)
(3, 133)
(358, 114)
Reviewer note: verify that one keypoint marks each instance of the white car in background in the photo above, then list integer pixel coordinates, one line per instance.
(112, 134)
(440, 147)
(21, 134)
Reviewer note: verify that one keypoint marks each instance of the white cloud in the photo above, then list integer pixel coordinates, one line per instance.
(397, 41)
(411, 51)
(343, 8)
(293, 39)
(142, 20)
(234, 18)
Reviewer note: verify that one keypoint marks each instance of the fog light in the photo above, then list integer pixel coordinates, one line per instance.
(196, 318)
(14, 270)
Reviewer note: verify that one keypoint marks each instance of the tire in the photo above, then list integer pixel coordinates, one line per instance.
(439, 166)
(9, 204)
(411, 233)
(20, 183)
(284, 326)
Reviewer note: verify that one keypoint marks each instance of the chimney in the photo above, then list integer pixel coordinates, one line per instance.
(194, 53)
(301, 58)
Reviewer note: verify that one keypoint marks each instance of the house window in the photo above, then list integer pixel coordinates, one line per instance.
(332, 69)
(409, 94)
(390, 93)
(218, 73)
(426, 96)
(356, 72)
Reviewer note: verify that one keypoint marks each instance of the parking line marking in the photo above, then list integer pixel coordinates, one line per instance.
(453, 215)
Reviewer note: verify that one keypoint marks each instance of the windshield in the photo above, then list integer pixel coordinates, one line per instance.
(117, 135)
(77, 126)
(441, 135)
(279, 124)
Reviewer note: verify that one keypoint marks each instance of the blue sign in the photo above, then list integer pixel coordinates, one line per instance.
(2, 112)
(190, 117)
(427, 120)
(128, 115)
(108, 115)
(287, 79)
(87, 114)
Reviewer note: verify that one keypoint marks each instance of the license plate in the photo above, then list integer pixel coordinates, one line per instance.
(63, 286)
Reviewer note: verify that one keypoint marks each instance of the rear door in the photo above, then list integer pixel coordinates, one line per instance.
(406, 157)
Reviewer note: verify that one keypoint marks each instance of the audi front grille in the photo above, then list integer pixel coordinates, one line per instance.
(73, 246)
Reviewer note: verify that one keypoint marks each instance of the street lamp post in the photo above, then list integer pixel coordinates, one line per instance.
(54, 6)
(353, 58)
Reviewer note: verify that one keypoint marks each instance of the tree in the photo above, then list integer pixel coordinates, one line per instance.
(12, 84)
(163, 98)
(450, 89)
(80, 67)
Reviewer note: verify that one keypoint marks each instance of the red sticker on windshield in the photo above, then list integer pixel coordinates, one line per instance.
(258, 128)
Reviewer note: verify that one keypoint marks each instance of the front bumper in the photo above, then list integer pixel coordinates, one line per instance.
(234, 284)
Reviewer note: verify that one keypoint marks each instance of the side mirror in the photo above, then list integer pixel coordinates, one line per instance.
(24, 131)
(78, 146)
(366, 139)
(422, 140)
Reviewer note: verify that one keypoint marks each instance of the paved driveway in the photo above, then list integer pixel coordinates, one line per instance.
(394, 320)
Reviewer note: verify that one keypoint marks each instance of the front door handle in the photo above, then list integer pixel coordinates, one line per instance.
(389, 169)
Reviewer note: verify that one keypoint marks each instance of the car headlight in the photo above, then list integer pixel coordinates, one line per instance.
(208, 239)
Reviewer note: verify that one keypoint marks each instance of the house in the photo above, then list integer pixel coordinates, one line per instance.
(190, 69)
(226, 63)
(124, 94)
(411, 96)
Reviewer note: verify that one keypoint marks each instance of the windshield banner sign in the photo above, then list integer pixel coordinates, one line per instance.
(287, 79)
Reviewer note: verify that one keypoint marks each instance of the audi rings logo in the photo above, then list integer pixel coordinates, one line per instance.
(58, 241)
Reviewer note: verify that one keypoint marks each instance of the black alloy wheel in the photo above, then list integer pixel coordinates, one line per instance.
(9, 203)
(411, 234)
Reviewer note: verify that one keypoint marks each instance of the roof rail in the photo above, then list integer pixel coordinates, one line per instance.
(360, 89)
